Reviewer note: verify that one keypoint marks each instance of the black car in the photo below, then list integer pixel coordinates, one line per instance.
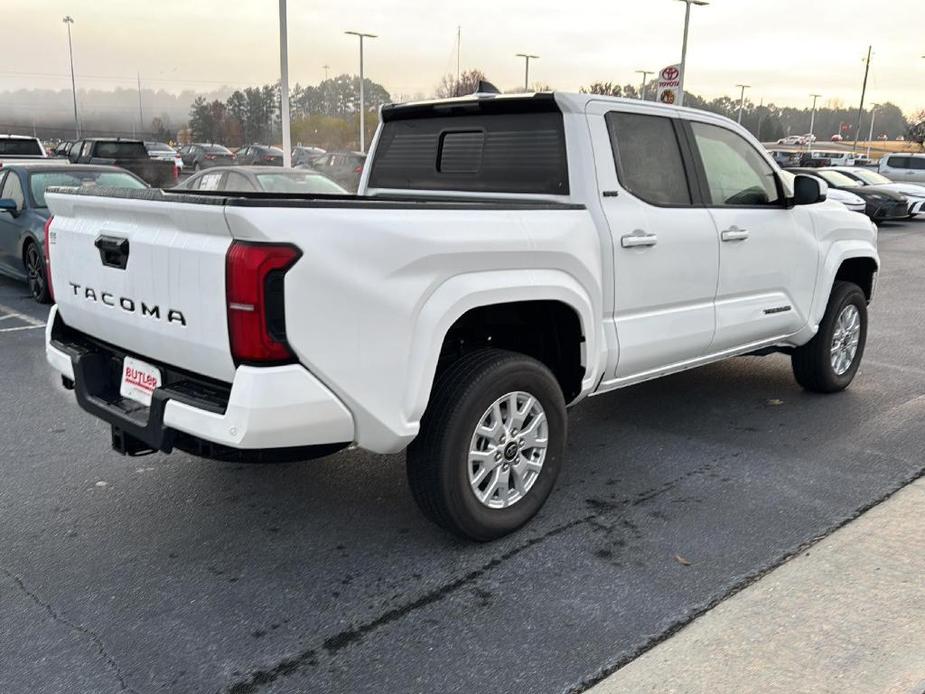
(263, 179)
(303, 154)
(260, 155)
(343, 167)
(130, 155)
(62, 148)
(882, 204)
(199, 156)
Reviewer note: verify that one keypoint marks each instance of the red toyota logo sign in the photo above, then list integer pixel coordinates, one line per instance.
(670, 73)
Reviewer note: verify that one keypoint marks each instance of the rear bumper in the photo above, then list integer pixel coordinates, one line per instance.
(276, 408)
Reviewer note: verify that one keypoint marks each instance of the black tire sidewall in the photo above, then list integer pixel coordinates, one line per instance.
(516, 374)
(842, 295)
(44, 295)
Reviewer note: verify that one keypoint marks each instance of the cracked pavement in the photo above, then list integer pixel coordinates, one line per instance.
(169, 573)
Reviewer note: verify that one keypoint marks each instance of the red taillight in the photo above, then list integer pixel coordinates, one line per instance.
(210, 157)
(51, 289)
(269, 158)
(176, 171)
(358, 169)
(254, 277)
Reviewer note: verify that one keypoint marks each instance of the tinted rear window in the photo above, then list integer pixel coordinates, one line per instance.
(19, 148)
(120, 150)
(216, 149)
(499, 153)
(899, 162)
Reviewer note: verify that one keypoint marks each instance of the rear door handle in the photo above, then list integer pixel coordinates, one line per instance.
(734, 233)
(638, 239)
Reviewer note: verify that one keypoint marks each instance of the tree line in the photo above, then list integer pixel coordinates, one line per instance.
(322, 115)
(327, 114)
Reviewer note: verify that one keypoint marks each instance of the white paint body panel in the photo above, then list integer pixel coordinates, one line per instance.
(376, 289)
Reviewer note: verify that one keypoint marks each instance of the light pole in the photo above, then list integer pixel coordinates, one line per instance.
(527, 57)
(362, 96)
(812, 121)
(873, 114)
(70, 50)
(687, 22)
(863, 94)
(645, 74)
(743, 87)
(284, 85)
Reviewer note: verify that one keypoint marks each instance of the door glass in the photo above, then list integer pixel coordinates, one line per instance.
(736, 174)
(917, 163)
(648, 158)
(12, 189)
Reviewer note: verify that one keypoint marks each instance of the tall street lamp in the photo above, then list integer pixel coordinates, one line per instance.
(812, 120)
(284, 85)
(362, 96)
(527, 57)
(687, 22)
(70, 50)
(645, 74)
(743, 87)
(873, 114)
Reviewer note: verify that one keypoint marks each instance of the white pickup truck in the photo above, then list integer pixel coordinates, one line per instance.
(506, 257)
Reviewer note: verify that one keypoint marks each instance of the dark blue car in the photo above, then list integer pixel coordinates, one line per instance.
(23, 213)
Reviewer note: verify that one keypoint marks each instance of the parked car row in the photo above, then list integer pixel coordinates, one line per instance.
(883, 199)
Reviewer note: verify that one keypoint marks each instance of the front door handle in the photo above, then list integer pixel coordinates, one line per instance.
(638, 239)
(734, 233)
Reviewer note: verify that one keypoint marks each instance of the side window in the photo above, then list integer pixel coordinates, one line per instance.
(736, 174)
(85, 152)
(236, 182)
(917, 163)
(898, 162)
(12, 189)
(648, 158)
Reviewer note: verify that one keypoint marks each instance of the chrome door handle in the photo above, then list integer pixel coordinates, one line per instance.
(638, 239)
(734, 233)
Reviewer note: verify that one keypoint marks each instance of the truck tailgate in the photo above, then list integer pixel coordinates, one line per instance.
(168, 301)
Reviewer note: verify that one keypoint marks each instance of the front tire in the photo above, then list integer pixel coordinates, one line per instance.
(829, 362)
(491, 444)
(36, 276)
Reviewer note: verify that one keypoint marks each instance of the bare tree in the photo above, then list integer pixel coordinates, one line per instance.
(467, 84)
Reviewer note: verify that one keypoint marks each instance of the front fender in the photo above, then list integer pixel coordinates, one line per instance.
(462, 293)
(838, 253)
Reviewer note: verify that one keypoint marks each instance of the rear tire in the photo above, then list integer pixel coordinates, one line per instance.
(479, 474)
(829, 362)
(36, 275)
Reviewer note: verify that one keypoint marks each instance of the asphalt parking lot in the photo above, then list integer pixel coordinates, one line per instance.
(170, 573)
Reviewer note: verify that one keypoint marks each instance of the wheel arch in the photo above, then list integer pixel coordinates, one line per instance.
(462, 295)
(854, 261)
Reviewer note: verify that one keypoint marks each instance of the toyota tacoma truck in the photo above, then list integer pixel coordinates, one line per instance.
(505, 257)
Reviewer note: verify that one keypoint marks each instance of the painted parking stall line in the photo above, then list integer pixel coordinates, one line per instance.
(12, 321)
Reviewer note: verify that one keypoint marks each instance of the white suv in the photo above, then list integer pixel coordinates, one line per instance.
(904, 167)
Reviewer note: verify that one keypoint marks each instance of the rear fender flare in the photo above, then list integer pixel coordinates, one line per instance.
(462, 293)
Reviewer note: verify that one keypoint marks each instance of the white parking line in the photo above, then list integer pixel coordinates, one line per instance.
(13, 313)
(8, 316)
(21, 327)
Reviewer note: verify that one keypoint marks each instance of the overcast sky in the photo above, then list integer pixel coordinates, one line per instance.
(786, 49)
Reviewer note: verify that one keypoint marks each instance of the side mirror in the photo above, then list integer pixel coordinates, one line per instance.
(808, 190)
(9, 205)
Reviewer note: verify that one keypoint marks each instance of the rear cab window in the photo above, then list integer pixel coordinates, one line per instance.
(120, 150)
(490, 146)
(16, 147)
